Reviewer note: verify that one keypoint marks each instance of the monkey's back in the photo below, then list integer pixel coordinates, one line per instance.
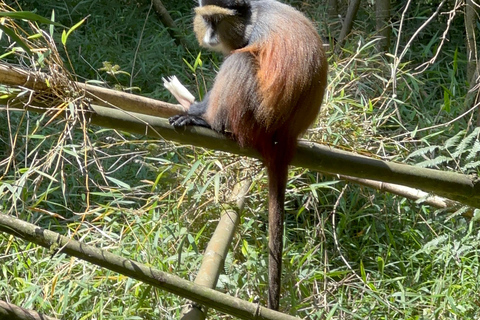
(271, 89)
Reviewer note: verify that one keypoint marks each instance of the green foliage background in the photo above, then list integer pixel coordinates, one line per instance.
(350, 252)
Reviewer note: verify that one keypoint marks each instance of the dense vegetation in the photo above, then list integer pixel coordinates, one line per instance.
(350, 252)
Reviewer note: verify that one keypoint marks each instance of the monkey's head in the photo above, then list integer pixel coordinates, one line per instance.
(221, 25)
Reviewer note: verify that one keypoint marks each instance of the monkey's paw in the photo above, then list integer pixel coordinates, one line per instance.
(182, 120)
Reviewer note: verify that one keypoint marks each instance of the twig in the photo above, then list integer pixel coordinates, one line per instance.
(137, 48)
(440, 125)
(451, 15)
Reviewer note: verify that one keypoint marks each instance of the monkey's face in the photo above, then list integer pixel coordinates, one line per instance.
(220, 29)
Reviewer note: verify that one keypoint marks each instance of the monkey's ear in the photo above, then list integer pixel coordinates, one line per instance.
(212, 10)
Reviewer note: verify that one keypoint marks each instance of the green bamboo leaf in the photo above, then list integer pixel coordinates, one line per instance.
(191, 171)
(119, 183)
(16, 39)
(64, 37)
(198, 61)
(75, 27)
(362, 271)
(189, 65)
(217, 187)
(52, 18)
(446, 100)
(30, 16)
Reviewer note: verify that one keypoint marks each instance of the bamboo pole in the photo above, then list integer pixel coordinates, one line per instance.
(455, 186)
(216, 252)
(171, 283)
(36, 81)
(212, 262)
(10, 311)
(413, 194)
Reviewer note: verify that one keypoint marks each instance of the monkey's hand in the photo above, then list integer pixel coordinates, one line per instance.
(182, 120)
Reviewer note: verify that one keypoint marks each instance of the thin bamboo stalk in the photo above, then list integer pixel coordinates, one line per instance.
(212, 262)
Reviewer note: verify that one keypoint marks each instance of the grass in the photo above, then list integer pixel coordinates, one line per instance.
(350, 252)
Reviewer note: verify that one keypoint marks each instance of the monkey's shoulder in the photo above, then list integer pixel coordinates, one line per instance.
(274, 16)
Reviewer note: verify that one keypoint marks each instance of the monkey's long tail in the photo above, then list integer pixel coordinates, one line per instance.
(277, 170)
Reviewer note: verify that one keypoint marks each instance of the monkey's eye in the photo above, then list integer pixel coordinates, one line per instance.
(213, 19)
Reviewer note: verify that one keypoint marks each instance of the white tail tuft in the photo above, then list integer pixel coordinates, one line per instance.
(183, 96)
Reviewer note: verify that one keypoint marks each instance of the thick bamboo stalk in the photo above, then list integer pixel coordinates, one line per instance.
(462, 188)
(10, 311)
(217, 250)
(171, 283)
(15, 76)
(459, 187)
(382, 17)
